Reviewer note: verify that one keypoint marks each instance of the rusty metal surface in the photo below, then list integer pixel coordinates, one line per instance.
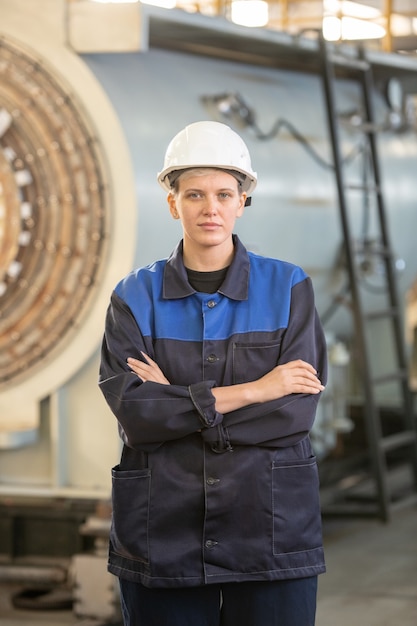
(53, 212)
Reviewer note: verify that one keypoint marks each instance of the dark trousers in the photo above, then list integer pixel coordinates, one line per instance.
(275, 603)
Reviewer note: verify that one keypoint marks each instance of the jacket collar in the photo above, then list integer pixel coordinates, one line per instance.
(235, 285)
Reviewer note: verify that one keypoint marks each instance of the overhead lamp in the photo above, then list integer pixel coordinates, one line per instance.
(351, 9)
(164, 4)
(116, 1)
(350, 28)
(347, 20)
(252, 13)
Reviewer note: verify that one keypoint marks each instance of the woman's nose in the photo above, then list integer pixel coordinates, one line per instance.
(210, 206)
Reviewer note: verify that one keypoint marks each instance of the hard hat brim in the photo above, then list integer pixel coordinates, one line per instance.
(248, 183)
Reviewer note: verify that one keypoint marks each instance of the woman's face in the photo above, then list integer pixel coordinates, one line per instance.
(207, 202)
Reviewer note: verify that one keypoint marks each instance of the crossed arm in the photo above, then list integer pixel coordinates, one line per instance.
(163, 410)
(292, 377)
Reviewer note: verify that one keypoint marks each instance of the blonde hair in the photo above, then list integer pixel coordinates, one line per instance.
(175, 176)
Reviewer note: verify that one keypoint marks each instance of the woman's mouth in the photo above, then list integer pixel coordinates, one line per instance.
(210, 225)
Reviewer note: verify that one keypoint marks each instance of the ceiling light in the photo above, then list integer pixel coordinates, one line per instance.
(350, 9)
(350, 28)
(332, 28)
(250, 13)
(164, 4)
(401, 26)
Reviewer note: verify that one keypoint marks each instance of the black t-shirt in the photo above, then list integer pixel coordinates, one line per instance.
(206, 282)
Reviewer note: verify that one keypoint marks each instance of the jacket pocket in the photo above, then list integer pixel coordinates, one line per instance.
(130, 524)
(253, 360)
(296, 506)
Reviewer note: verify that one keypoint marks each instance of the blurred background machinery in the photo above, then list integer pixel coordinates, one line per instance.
(90, 93)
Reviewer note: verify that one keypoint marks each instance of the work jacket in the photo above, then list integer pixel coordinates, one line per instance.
(200, 497)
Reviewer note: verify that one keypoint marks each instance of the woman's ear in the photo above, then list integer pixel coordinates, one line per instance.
(172, 206)
(241, 208)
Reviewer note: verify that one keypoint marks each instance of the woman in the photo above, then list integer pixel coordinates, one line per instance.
(213, 361)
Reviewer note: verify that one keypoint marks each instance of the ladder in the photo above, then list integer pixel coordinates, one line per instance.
(381, 447)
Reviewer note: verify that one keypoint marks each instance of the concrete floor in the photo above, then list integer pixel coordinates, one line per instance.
(371, 578)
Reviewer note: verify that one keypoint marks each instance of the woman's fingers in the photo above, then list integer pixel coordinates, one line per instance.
(292, 377)
(301, 377)
(149, 371)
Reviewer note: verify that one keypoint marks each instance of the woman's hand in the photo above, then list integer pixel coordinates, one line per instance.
(292, 377)
(148, 371)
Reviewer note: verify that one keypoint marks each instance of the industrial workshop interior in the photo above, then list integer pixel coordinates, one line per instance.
(324, 94)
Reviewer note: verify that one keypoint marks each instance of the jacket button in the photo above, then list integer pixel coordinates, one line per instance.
(212, 358)
(211, 544)
(211, 304)
(212, 481)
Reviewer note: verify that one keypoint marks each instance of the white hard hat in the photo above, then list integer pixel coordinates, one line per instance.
(208, 144)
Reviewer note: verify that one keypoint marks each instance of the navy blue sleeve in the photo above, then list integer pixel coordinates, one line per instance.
(148, 413)
(289, 419)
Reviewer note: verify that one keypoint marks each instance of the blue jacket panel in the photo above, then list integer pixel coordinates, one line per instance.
(201, 497)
